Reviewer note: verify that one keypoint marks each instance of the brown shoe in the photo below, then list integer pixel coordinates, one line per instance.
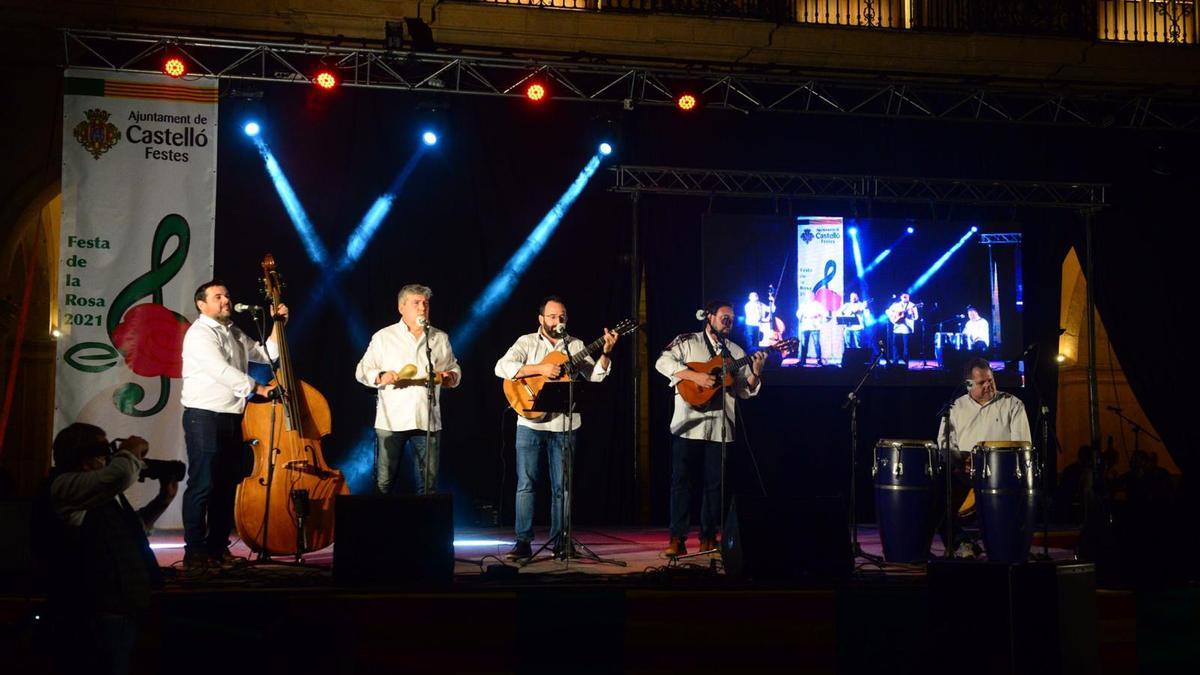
(227, 560)
(675, 548)
(709, 544)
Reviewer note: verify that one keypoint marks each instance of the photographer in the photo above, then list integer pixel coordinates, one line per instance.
(92, 545)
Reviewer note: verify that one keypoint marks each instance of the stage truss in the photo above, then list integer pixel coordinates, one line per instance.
(623, 82)
(779, 185)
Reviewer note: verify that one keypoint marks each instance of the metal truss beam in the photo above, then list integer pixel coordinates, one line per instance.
(778, 185)
(617, 81)
(991, 238)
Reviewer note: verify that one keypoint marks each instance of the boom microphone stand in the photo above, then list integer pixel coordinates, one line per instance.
(852, 403)
(431, 401)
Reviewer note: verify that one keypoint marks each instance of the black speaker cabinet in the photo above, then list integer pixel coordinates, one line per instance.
(791, 539)
(857, 357)
(393, 541)
(1037, 617)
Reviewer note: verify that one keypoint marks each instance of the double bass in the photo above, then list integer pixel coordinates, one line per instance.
(285, 506)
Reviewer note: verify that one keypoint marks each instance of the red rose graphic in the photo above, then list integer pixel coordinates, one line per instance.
(151, 338)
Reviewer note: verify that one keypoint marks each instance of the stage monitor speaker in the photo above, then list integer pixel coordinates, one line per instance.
(1037, 617)
(393, 541)
(787, 539)
(857, 357)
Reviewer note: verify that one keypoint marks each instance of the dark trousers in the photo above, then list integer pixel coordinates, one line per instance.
(686, 456)
(900, 346)
(215, 454)
(815, 337)
(400, 461)
(960, 485)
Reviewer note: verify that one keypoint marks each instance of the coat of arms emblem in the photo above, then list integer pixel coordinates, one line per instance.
(97, 135)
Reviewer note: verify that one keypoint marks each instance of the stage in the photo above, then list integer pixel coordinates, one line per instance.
(645, 617)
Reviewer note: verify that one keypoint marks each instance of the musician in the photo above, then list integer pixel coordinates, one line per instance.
(697, 434)
(981, 414)
(812, 315)
(92, 548)
(976, 332)
(755, 313)
(903, 315)
(402, 411)
(214, 393)
(853, 307)
(548, 435)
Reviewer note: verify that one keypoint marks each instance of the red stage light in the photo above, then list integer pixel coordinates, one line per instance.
(326, 80)
(535, 92)
(686, 102)
(174, 66)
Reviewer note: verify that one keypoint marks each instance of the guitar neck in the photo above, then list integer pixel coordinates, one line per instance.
(588, 349)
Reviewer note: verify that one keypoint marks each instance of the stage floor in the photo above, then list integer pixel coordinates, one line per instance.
(638, 548)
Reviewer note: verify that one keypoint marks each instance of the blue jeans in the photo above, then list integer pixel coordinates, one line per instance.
(685, 454)
(530, 444)
(215, 451)
(853, 338)
(394, 447)
(815, 337)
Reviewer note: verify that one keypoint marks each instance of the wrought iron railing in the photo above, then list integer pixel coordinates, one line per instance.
(1160, 21)
(1165, 21)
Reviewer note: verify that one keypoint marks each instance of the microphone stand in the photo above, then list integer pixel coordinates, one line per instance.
(852, 403)
(563, 545)
(431, 401)
(1043, 436)
(275, 397)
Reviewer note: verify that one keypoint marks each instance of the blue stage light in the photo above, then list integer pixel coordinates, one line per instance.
(252, 128)
(937, 265)
(910, 230)
(852, 231)
(606, 149)
(501, 287)
(429, 138)
(858, 266)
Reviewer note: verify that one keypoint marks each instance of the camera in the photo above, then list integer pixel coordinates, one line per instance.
(156, 469)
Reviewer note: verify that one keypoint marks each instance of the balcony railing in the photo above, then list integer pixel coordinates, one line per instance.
(1158, 21)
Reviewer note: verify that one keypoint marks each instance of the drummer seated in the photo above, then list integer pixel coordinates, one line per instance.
(92, 549)
(982, 414)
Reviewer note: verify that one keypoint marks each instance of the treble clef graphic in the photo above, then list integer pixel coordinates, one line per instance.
(162, 270)
(830, 271)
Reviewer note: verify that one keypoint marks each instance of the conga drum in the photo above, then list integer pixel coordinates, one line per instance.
(1005, 477)
(906, 474)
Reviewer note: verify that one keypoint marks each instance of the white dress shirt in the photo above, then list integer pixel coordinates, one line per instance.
(853, 309)
(1001, 419)
(531, 349)
(907, 314)
(687, 421)
(75, 492)
(812, 315)
(215, 356)
(755, 311)
(977, 331)
(407, 407)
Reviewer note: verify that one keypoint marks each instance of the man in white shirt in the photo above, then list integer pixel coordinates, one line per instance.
(396, 365)
(976, 331)
(903, 314)
(855, 309)
(812, 315)
(553, 433)
(981, 414)
(214, 393)
(696, 434)
(753, 314)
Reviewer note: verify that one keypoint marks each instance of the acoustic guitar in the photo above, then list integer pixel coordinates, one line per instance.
(521, 392)
(698, 397)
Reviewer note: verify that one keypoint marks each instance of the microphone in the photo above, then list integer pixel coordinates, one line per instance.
(967, 384)
(701, 315)
(1029, 349)
(243, 308)
(560, 330)
(422, 321)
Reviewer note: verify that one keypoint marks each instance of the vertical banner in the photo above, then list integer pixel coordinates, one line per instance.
(139, 179)
(820, 257)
